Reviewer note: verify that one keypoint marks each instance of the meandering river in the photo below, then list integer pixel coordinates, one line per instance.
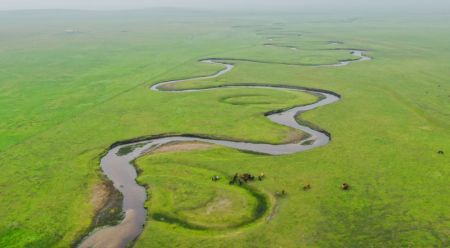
(120, 170)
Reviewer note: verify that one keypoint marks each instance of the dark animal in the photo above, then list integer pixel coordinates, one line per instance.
(261, 176)
(215, 178)
(307, 187)
(247, 177)
(280, 194)
(243, 178)
(235, 178)
(441, 152)
(345, 186)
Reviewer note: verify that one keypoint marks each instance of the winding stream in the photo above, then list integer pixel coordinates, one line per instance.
(120, 170)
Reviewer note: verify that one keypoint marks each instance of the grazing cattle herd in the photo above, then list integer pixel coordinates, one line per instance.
(247, 177)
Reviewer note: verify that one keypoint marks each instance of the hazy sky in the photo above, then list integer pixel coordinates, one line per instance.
(218, 4)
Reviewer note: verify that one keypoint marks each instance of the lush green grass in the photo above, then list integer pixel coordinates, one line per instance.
(189, 197)
(65, 97)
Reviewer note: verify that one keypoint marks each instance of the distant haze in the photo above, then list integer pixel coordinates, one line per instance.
(396, 5)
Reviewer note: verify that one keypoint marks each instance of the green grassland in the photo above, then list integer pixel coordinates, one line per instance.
(73, 83)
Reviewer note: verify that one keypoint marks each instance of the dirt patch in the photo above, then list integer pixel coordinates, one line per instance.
(295, 136)
(112, 237)
(108, 205)
(182, 147)
(100, 196)
(107, 202)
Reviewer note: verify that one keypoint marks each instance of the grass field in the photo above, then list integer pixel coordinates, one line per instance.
(72, 83)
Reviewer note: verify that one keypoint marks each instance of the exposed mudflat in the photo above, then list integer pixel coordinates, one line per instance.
(182, 147)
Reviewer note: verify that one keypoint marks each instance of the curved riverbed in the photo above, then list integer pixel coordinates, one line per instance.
(120, 170)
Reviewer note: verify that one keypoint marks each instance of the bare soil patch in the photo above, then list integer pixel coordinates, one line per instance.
(182, 147)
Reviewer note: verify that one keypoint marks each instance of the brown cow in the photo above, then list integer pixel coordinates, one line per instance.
(345, 186)
(307, 187)
(247, 177)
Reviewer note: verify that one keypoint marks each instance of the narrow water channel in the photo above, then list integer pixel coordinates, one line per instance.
(120, 170)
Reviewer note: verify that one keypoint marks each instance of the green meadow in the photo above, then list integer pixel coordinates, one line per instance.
(74, 82)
